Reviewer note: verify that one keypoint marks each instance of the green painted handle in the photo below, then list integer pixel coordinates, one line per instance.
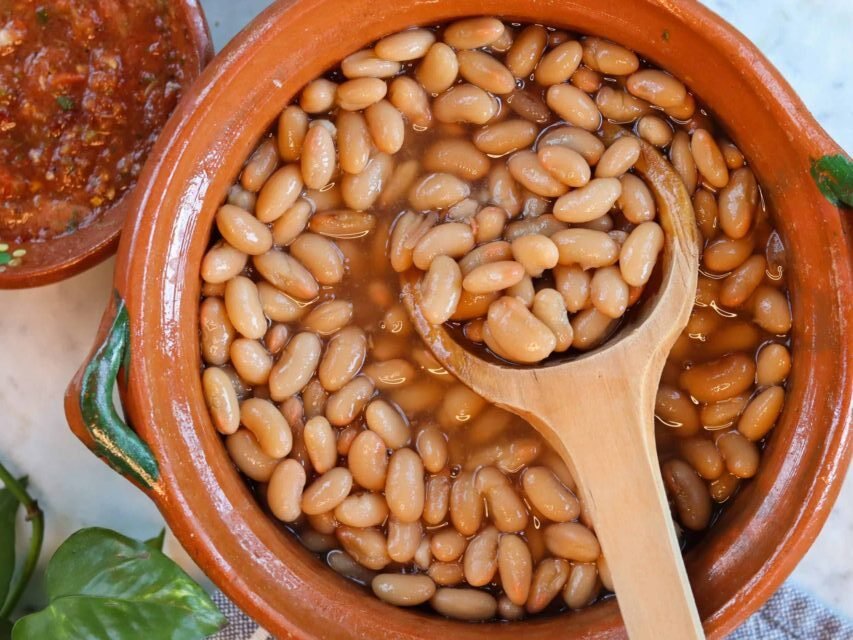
(834, 178)
(112, 438)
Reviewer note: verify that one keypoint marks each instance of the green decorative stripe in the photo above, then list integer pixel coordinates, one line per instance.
(834, 178)
(114, 440)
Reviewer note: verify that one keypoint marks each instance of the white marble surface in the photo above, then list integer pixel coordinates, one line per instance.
(46, 333)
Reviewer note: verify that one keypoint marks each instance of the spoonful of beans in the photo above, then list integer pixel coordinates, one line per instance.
(597, 410)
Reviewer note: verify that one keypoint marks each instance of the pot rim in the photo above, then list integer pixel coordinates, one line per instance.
(162, 297)
(64, 256)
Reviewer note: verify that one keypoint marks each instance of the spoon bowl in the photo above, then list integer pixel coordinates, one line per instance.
(597, 412)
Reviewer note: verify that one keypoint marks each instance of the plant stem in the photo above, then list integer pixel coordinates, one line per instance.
(36, 517)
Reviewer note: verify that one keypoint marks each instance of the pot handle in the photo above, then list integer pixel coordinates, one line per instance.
(91, 411)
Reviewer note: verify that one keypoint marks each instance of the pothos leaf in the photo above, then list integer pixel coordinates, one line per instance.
(834, 178)
(104, 586)
(156, 543)
(8, 516)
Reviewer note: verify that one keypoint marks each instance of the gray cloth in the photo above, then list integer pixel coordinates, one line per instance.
(790, 614)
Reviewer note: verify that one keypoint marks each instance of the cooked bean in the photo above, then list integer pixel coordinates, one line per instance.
(217, 332)
(473, 33)
(519, 333)
(321, 445)
(403, 590)
(386, 127)
(559, 63)
(221, 263)
(724, 254)
(485, 72)
(516, 568)
(587, 248)
(743, 281)
(458, 157)
(588, 202)
(346, 224)
(722, 414)
(657, 87)
(608, 57)
(493, 276)
(724, 487)
(761, 413)
(278, 306)
(676, 410)
(741, 455)
(453, 239)
(284, 492)
(242, 230)
(329, 317)
(318, 158)
(549, 496)
(582, 585)
(367, 64)
(439, 68)
(240, 197)
(346, 404)
(318, 96)
(405, 45)
(489, 224)
(403, 539)
(770, 310)
(689, 493)
(367, 546)
(466, 505)
(709, 159)
(548, 580)
(639, 253)
(385, 420)
(296, 366)
(573, 106)
(465, 103)
(458, 406)
(682, 160)
(287, 274)
(221, 400)
(447, 545)
(526, 51)
(573, 541)
(577, 139)
(572, 283)
(368, 461)
(437, 497)
(535, 253)
(360, 93)
(654, 130)
(737, 203)
(246, 453)
(404, 485)
(774, 364)
(353, 141)
(327, 492)
(618, 158)
(464, 604)
(343, 359)
(703, 456)
(243, 305)
(564, 164)
(362, 510)
(260, 166)
(590, 328)
(620, 106)
(320, 256)
(268, 425)
(549, 307)
(609, 292)
(526, 168)
(719, 379)
(360, 191)
(251, 360)
(291, 223)
(411, 100)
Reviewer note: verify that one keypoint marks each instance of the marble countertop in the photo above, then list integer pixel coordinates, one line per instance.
(45, 333)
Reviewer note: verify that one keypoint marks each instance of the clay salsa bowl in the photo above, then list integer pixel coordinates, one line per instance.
(174, 453)
(66, 255)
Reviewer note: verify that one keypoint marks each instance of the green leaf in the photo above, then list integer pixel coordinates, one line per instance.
(834, 178)
(8, 517)
(104, 586)
(157, 542)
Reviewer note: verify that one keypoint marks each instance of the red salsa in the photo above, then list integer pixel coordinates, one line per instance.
(85, 87)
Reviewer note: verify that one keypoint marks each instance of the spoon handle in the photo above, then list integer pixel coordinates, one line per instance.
(606, 437)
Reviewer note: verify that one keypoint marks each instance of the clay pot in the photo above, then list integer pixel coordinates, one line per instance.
(179, 459)
(64, 256)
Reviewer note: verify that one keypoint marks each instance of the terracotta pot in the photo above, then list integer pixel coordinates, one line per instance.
(68, 255)
(177, 456)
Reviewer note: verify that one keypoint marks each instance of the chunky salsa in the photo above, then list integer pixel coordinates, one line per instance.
(85, 88)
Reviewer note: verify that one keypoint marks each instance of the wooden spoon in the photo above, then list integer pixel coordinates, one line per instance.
(597, 411)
